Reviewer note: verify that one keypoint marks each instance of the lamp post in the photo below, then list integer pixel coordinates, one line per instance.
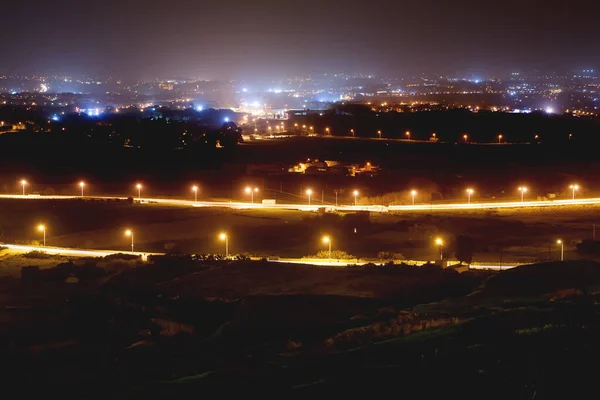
(469, 193)
(413, 193)
(440, 243)
(355, 198)
(195, 190)
(139, 188)
(574, 188)
(82, 185)
(352, 132)
(466, 137)
(407, 133)
(562, 249)
(251, 191)
(327, 239)
(23, 184)
(129, 232)
(223, 236)
(308, 193)
(523, 190)
(499, 138)
(327, 131)
(42, 228)
(379, 134)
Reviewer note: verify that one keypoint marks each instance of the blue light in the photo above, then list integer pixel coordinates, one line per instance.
(199, 108)
(54, 118)
(226, 119)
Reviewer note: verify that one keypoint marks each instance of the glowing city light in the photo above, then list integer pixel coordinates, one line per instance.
(129, 233)
(327, 240)
(42, 228)
(223, 236)
(523, 190)
(574, 188)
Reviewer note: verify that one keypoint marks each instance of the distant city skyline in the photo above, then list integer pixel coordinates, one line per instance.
(264, 38)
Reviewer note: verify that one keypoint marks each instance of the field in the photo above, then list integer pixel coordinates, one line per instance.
(176, 326)
(504, 235)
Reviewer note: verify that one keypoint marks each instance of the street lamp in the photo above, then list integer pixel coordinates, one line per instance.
(308, 193)
(327, 239)
(251, 192)
(195, 190)
(82, 185)
(23, 183)
(499, 138)
(469, 193)
(574, 188)
(440, 243)
(327, 130)
(523, 190)
(139, 188)
(562, 249)
(129, 232)
(413, 193)
(407, 133)
(352, 132)
(223, 236)
(42, 228)
(466, 137)
(355, 197)
(379, 134)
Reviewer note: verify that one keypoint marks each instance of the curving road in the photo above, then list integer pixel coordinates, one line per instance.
(68, 252)
(63, 251)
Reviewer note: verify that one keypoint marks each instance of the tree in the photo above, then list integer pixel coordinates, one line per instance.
(464, 249)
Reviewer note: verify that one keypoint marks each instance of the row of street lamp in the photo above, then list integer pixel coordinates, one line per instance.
(252, 190)
(326, 239)
(407, 134)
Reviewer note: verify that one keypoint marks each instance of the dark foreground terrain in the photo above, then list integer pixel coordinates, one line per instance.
(184, 326)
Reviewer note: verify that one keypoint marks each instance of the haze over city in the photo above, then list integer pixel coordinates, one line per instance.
(267, 38)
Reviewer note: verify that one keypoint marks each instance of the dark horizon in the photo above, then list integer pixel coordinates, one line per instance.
(266, 38)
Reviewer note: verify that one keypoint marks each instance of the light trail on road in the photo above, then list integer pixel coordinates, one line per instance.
(317, 207)
(70, 252)
(64, 251)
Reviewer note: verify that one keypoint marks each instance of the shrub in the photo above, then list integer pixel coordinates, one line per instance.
(335, 255)
(121, 256)
(385, 255)
(39, 255)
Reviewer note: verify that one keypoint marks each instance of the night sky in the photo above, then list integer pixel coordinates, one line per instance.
(266, 38)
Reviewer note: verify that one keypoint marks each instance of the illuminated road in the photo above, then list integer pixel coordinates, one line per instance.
(62, 251)
(316, 207)
(69, 252)
(344, 263)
